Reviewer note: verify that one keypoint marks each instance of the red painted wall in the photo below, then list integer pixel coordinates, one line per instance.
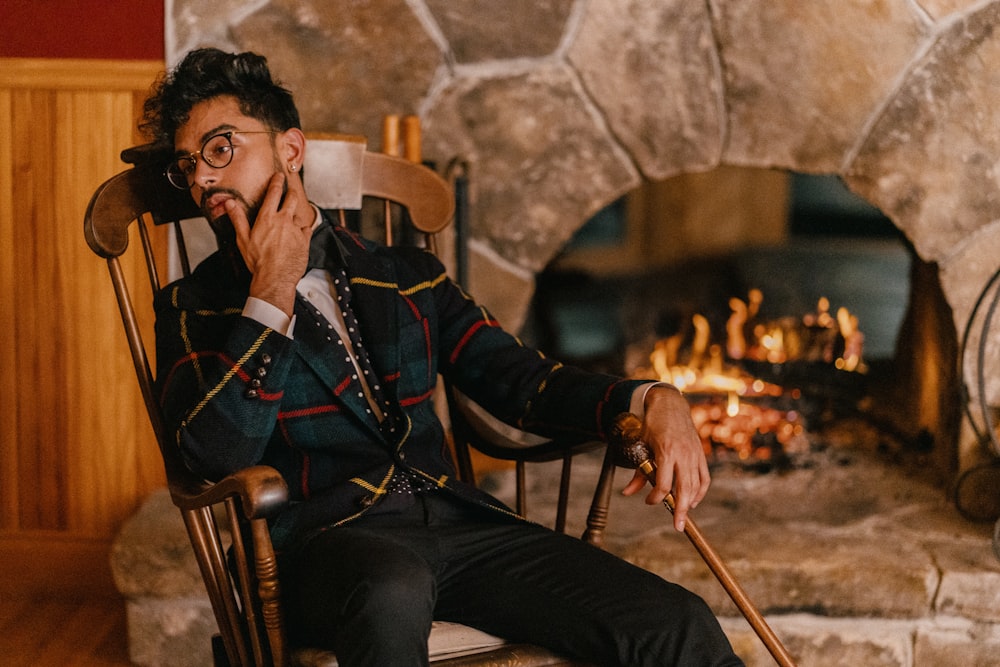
(104, 29)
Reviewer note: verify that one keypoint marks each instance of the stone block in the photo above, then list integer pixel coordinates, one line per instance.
(970, 577)
(973, 594)
(805, 569)
(151, 557)
(170, 632)
(504, 288)
(927, 161)
(342, 79)
(801, 81)
(824, 642)
(670, 119)
(961, 645)
(168, 614)
(527, 200)
(532, 28)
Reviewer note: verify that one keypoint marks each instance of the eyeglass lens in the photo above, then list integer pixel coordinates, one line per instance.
(217, 152)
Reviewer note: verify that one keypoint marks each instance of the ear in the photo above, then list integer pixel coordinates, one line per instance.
(292, 148)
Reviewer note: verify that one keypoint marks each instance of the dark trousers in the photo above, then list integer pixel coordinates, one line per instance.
(370, 590)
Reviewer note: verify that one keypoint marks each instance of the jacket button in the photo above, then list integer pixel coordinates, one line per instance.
(366, 501)
(251, 393)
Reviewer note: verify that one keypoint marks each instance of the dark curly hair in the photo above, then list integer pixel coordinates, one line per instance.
(208, 73)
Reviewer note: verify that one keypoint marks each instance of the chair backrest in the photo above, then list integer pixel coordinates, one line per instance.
(339, 171)
(340, 174)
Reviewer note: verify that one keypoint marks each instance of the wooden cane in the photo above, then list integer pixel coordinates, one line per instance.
(626, 434)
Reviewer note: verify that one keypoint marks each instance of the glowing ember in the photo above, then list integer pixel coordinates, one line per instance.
(730, 426)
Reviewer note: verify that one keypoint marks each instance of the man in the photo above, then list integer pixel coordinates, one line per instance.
(262, 363)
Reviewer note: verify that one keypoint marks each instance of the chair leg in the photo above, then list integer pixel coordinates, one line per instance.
(205, 540)
(597, 518)
(522, 492)
(219, 656)
(563, 504)
(270, 592)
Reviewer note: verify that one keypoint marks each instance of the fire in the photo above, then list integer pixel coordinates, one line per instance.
(772, 343)
(732, 405)
(735, 411)
(816, 336)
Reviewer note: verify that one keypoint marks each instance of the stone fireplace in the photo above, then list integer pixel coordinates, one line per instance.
(557, 108)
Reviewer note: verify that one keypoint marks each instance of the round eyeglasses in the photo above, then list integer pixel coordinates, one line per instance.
(217, 152)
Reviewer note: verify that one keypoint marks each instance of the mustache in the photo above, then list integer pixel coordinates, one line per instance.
(251, 208)
(211, 192)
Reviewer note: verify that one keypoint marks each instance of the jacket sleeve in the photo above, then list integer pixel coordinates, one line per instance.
(220, 378)
(515, 383)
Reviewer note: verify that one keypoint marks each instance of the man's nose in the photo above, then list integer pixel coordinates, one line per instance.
(205, 175)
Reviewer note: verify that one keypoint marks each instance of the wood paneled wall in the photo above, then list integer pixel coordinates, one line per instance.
(77, 455)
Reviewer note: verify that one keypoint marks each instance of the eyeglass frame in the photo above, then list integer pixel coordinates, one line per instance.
(193, 158)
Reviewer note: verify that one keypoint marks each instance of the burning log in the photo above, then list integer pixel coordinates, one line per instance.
(746, 431)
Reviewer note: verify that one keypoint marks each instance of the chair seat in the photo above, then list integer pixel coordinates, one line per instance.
(449, 643)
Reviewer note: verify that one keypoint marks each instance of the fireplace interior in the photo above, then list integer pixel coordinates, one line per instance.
(864, 335)
(844, 518)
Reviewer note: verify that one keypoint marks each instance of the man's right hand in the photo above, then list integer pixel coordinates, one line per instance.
(276, 248)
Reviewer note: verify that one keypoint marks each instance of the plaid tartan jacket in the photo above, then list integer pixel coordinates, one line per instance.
(235, 393)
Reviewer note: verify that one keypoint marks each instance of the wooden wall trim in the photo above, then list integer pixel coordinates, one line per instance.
(78, 74)
(77, 454)
(8, 271)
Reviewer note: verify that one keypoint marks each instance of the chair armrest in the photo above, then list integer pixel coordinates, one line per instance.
(505, 442)
(261, 491)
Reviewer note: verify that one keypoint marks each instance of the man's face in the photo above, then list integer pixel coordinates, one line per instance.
(253, 159)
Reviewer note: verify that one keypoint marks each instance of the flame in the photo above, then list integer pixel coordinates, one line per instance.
(816, 336)
(850, 360)
(732, 404)
(773, 343)
(720, 390)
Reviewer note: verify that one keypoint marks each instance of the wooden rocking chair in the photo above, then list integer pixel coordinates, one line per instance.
(341, 174)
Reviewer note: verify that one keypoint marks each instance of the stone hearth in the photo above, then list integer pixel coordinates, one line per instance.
(854, 560)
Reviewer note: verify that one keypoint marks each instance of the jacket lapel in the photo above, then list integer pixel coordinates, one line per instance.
(378, 319)
(319, 350)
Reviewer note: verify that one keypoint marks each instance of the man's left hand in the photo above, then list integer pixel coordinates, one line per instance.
(681, 467)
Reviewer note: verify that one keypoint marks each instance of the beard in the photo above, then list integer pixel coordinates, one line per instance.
(251, 206)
